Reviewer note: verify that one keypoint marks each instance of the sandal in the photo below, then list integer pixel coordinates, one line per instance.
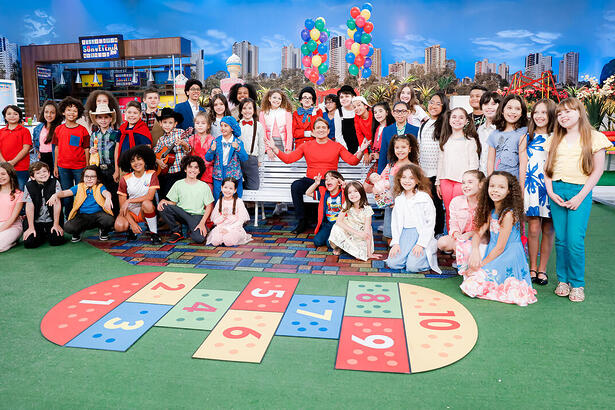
(577, 294)
(562, 289)
(535, 275)
(540, 281)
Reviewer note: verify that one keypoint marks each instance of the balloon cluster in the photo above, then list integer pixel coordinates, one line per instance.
(359, 44)
(314, 49)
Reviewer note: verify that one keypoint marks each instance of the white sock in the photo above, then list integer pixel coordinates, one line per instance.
(152, 224)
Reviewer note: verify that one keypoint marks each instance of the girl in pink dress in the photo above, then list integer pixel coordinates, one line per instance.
(200, 142)
(229, 215)
(277, 119)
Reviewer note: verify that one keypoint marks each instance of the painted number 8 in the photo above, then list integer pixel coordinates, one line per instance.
(368, 297)
(239, 332)
(370, 341)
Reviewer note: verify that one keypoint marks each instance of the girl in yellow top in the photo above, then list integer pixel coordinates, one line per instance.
(574, 165)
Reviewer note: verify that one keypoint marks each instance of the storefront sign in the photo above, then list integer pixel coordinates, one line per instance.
(43, 73)
(102, 47)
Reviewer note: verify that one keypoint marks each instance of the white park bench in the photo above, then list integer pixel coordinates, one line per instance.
(276, 178)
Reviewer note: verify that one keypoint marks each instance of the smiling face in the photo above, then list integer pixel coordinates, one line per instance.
(490, 108)
(41, 175)
(247, 112)
(470, 185)
(498, 188)
(458, 119)
(512, 112)
(359, 108)
(407, 180)
(402, 149)
(406, 94)
(540, 115)
(307, 101)
(275, 100)
(568, 117)
(137, 164)
(321, 130)
(227, 130)
(103, 121)
(152, 100)
(102, 99)
(192, 170)
(70, 113)
(242, 92)
(201, 124)
(332, 183)
(49, 113)
(4, 177)
(346, 100)
(168, 124)
(219, 108)
(228, 189)
(475, 98)
(194, 92)
(400, 113)
(132, 115)
(434, 106)
(330, 105)
(89, 178)
(11, 116)
(354, 195)
(380, 114)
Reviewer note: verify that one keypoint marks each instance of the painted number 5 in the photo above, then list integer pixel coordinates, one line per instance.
(374, 341)
(260, 293)
(111, 324)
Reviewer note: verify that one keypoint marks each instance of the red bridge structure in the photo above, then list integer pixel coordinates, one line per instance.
(545, 84)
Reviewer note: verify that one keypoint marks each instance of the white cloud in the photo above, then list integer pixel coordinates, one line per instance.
(270, 53)
(610, 16)
(39, 28)
(411, 47)
(130, 31)
(181, 6)
(212, 42)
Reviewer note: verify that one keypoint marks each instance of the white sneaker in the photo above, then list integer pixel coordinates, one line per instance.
(280, 209)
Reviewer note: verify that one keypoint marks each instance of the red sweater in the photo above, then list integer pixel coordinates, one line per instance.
(363, 127)
(12, 142)
(320, 158)
(299, 127)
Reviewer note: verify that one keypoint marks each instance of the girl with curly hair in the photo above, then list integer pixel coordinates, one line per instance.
(503, 274)
(100, 97)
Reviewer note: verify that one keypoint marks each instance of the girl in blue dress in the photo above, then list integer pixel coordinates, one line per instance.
(503, 274)
(532, 158)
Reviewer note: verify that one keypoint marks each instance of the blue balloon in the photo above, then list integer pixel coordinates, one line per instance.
(366, 72)
(360, 30)
(323, 49)
(367, 6)
(309, 24)
(357, 37)
(371, 51)
(350, 58)
(305, 34)
(321, 79)
(367, 63)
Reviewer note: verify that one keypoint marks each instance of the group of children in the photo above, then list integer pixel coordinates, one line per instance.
(427, 171)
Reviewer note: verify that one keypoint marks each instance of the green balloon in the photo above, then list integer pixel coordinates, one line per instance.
(351, 24)
(305, 50)
(353, 69)
(366, 38)
(312, 45)
(319, 25)
(323, 68)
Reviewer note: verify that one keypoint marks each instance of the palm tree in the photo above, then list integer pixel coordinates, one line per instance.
(444, 82)
(424, 92)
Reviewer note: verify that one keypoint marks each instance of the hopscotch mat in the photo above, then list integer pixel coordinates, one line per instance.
(380, 326)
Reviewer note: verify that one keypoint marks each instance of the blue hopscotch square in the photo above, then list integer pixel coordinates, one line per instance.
(313, 316)
(120, 328)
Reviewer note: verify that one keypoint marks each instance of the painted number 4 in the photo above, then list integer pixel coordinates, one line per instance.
(260, 293)
(205, 307)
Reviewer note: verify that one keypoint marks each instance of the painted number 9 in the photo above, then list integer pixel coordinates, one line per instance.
(260, 293)
(239, 332)
(374, 341)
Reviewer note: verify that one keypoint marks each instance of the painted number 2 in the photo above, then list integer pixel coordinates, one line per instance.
(167, 287)
(260, 293)
(239, 332)
(368, 297)
(374, 341)
(205, 307)
(447, 324)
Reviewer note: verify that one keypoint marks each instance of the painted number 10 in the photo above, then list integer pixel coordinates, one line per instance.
(446, 324)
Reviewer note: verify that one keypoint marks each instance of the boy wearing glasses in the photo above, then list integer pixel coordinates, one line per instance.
(189, 109)
(304, 117)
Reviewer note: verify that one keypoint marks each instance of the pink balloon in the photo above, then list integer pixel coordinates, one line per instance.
(363, 49)
(307, 72)
(359, 60)
(360, 21)
(307, 60)
(348, 43)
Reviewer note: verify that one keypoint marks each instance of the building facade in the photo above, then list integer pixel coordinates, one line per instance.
(435, 58)
(337, 57)
(248, 53)
(8, 55)
(291, 58)
(198, 59)
(536, 63)
(569, 68)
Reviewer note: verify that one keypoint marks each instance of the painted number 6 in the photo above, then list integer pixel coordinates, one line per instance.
(260, 293)
(384, 342)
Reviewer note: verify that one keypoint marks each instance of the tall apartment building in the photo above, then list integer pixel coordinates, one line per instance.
(504, 71)
(291, 57)
(377, 63)
(8, 55)
(198, 59)
(536, 63)
(484, 67)
(569, 68)
(248, 53)
(435, 58)
(337, 57)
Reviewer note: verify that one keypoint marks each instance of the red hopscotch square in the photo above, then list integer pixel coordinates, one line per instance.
(373, 345)
(266, 294)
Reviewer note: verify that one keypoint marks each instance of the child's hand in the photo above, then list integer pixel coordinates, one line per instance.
(124, 209)
(201, 228)
(108, 205)
(116, 175)
(58, 229)
(161, 205)
(364, 145)
(52, 200)
(161, 163)
(574, 202)
(213, 146)
(93, 150)
(28, 232)
(235, 145)
(394, 251)
(557, 199)
(417, 250)
(465, 236)
(367, 159)
(317, 179)
(135, 227)
(56, 172)
(439, 191)
(374, 256)
(474, 261)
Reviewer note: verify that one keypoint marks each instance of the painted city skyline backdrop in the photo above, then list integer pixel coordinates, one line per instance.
(501, 31)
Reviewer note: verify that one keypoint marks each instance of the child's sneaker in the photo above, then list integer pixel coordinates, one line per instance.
(131, 236)
(103, 235)
(76, 238)
(155, 239)
(176, 237)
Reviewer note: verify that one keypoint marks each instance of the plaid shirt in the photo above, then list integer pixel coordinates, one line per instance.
(106, 144)
(149, 119)
(169, 139)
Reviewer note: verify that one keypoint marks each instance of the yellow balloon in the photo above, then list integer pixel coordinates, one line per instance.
(315, 34)
(322, 18)
(355, 48)
(316, 60)
(351, 33)
(366, 14)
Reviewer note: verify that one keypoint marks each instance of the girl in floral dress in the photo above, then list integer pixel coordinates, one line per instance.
(503, 274)
(532, 157)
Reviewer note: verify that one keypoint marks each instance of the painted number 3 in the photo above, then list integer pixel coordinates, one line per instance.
(111, 324)
(368, 297)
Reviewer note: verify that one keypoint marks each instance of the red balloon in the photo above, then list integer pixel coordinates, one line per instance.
(354, 12)
(307, 72)
(368, 27)
(348, 43)
(314, 77)
(324, 57)
(359, 60)
(315, 52)
(360, 21)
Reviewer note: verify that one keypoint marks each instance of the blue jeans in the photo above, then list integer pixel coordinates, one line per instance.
(405, 259)
(22, 178)
(322, 237)
(68, 179)
(570, 227)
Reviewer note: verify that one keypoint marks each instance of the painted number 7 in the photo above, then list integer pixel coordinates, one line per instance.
(326, 316)
(260, 293)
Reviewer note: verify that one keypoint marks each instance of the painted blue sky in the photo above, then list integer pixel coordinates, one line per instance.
(503, 31)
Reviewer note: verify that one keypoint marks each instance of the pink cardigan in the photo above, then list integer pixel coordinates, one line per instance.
(462, 216)
(288, 138)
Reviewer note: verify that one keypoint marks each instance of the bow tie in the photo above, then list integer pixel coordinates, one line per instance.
(305, 112)
(226, 144)
(247, 122)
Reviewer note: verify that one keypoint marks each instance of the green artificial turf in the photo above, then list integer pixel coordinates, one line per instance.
(551, 354)
(608, 178)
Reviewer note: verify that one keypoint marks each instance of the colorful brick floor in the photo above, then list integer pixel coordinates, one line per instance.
(273, 249)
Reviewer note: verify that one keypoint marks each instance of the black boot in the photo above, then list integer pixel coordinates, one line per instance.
(301, 226)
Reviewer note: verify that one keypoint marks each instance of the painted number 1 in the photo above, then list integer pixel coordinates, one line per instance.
(447, 324)
(260, 293)
(96, 302)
